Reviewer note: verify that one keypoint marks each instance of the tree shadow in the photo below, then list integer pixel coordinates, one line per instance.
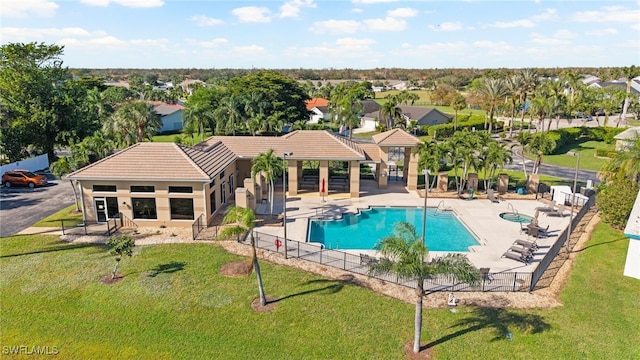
(600, 243)
(59, 247)
(168, 268)
(501, 320)
(331, 287)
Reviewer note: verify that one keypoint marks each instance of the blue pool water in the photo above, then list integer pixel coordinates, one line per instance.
(362, 231)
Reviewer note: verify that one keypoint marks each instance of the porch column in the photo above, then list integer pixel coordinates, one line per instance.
(384, 173)
(354, 179)
(324, 175)
(411, 168)
(293, 177)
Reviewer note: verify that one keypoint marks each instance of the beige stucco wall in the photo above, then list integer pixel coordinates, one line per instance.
(200, 196)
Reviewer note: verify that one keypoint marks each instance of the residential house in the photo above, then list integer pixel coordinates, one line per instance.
(171, 116)
(423, 115)
(626, 138)
(632, 231)
(318, 110)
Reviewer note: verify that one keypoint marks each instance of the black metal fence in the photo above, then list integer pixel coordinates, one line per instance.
(563, 239)
(358, 263)
(197, 226)
(94, 228)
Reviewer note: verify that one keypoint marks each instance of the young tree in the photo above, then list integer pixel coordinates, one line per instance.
(405, 255)
(243, 221)
(458, 103)
(120, 246)
(270, 166)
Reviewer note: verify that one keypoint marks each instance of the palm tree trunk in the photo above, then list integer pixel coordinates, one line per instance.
(271, 197)
(524, 166)
(418, 318)
(256, 267)
(75, 195)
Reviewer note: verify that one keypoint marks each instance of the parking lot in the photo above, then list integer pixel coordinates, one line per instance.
(21, 207)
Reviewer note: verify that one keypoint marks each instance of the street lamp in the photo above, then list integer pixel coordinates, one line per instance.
(573, 195)
(284, 199)
(424, 213)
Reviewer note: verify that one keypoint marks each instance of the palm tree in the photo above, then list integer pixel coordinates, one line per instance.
(430, 155)
(625, 165)
(458, 103)
(229, 114)
(514, 84)
(390, 112)
(541, 106)
(243, 221)
(540, 144)
(270, 166)
(494, 156)
(493, 91)
(530, 80)
(629, 73)
(133, 122)
(405, 255)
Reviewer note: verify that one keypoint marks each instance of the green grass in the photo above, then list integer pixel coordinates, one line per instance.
(174, 304)
(68, 215)
(172, 137)
(587, 150)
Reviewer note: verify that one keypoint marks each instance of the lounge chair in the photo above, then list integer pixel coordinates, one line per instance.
(521, 250)
(367, 260)
(517, 257)
(491, 196)
(558, 212)
(550, 207)
(529, 244)
(485, 274)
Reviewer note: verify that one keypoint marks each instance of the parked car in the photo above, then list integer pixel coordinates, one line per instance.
(23, 177)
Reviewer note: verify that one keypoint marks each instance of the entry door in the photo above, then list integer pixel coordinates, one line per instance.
(101, 210)
(223, 192)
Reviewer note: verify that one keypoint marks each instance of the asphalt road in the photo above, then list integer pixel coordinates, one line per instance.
(21, 207)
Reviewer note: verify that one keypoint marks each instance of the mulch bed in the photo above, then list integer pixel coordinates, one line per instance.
(235, 269)
(109, 280)
(424, 354)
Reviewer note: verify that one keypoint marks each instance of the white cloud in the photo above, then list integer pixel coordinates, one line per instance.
(494, 47)
(14, 34)
(446, 26)
(636, 26)
(292, 8)
(342, 48)
(214, 43)
(95, 43)
(372, 1)
(252, 14)
(125, 3)
(24, 8)
(550, 14)
(602, 32)
(356, 10)
(203, 20)
(402, 12)
(613, 14)
(537, 38)
(386, 24)
(250, 50)
(334, 27)
(563, 34)
(512, 24)
(353, 43)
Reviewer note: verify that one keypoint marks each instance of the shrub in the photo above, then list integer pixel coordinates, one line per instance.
(615, 202)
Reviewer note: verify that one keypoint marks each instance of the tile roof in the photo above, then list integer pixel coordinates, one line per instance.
(418, 112)
(370, 106)
(396, 137)
(306, 145)
(316, 102)
(371, 151)
(153, 161)
(167, 109)
(629, 134)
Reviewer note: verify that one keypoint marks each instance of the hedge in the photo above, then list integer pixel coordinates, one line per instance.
(444, 131)
(570, 136)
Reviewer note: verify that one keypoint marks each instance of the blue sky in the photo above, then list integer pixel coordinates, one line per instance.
(358, 34)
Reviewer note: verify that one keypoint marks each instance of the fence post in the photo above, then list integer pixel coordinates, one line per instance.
(320, 256)
(515, 277)
(62, 226)
(344, 267)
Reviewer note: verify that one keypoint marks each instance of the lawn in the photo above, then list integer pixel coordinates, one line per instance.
(587, 151)
(68, 215)
(173, 303)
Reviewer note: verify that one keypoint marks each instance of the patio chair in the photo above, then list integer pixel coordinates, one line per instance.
(485, 274)
(517, 257)
(550, 207)
(491, 196)
(558, 212)
(526, 251)
(367, 260)
(530, 244)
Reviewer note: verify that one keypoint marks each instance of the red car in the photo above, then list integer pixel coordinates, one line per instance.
(23, 177)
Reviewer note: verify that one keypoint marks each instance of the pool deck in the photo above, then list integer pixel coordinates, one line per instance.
(481, 216)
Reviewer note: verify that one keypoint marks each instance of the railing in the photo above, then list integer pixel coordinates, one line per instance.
(89, 228)
(559, 244)
(197, 227)
(315, 252)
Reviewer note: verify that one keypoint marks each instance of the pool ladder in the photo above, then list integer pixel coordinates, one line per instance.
(513, 210)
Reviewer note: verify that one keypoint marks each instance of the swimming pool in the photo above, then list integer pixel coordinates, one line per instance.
(362, 231)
